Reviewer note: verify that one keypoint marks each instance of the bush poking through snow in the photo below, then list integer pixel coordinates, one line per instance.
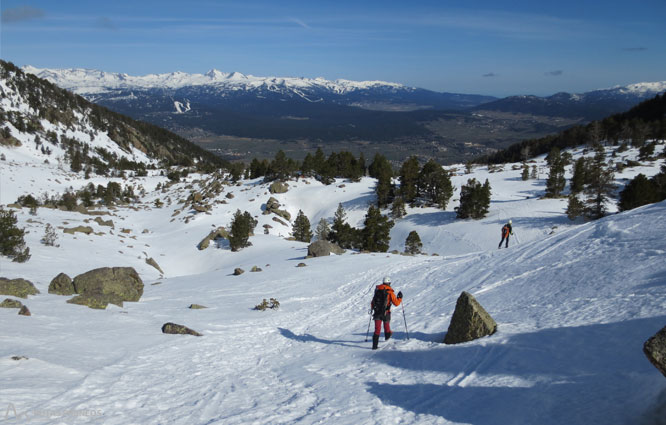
(273, 304)
(50, 236)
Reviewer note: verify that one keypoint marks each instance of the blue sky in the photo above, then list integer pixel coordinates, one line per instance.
(488, 47)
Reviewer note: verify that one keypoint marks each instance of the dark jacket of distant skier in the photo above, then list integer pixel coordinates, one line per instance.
(380, 305)
(507, 231)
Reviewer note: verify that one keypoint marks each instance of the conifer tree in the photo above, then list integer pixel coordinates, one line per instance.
(341, 232)
(376, 231)
(323, 230)
(12, 243)
(301, 229)
(577, 183)
(413, 244)
(382, 171)
(409, 179)
(398, 208)
(556, 182)
(434, 184)
(601, 184)
(474, 200)
(639, 191)
(575, 208)
(242, 226)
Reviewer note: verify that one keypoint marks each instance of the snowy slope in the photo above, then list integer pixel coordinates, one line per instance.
(574, 303)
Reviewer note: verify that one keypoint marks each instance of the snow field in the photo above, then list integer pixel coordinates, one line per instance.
(574, 304)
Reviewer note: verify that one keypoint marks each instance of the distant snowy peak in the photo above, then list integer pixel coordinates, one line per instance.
(89, 81)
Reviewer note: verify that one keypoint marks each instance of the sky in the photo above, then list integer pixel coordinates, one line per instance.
(498, 48)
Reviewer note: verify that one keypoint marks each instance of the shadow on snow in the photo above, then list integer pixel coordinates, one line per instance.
(552, 376)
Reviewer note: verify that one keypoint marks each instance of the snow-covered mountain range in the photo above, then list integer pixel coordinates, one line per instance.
(87, 81)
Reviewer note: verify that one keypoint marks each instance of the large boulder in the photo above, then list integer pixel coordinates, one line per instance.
(174, 328)
(323, 248)
(61, 285)
(470, 321)
(655, 350)
(105, 285)
(17, 287)
(278, 187)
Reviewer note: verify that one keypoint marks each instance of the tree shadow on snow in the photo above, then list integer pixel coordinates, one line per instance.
(586, 374)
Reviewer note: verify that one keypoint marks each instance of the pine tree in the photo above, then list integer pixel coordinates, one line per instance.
(382, 171)
(639, 191)
(577, 183)
(301, 229)
(409, 179)
(556, 182)
(474, 200)
(12, 243)
(575, 208)
(535, 172)
(242, 226)
(398, 208)
(341, 232)
(376, 231)
(434, 184)
(413, 244)
(323, 230)
(601, 185)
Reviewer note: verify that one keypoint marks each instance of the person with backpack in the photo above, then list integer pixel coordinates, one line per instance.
(381, 310)
(507, 231)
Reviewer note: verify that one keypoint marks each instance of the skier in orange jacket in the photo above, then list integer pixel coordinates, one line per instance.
(507, 231)
(381, 309)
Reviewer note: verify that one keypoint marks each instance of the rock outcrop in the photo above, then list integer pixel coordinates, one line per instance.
(99, 287)
(655, 350)
(470, 321)
(151, 262)
(79, 229)
(10, 303)
(323, 248)
(278, 187)
(17, 287)
(176, 329)
(24, 311)
(61, 285)
(273, 207)
(220, 232)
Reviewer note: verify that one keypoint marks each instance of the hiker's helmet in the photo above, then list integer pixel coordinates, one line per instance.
(387, 280)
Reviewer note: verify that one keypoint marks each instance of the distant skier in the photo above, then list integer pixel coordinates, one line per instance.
(381, 309)
(507, 231)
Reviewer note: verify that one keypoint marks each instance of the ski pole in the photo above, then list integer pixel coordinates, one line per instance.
(405, 319)
(368, 331)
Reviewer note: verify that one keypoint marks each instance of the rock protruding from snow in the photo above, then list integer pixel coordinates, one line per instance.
(220, 232)
(61, 285)
(17, 287)
(24, 311)
(273, 207)
(470, 321)
(655, 350)
(99, 287)
(278, 187)
(323, 248)
(176, 329)
(10, 303)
